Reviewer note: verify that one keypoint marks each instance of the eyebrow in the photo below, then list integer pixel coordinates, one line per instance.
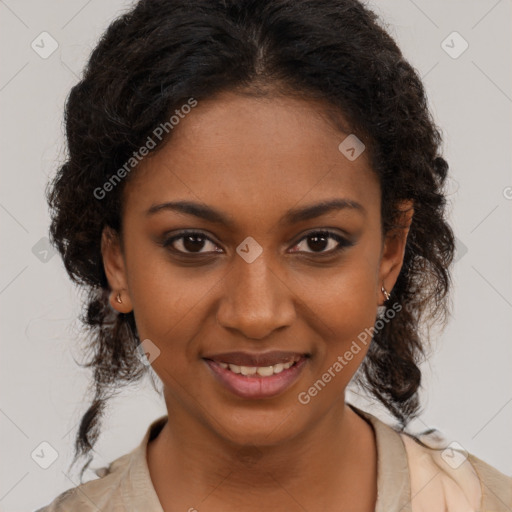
(292, 216)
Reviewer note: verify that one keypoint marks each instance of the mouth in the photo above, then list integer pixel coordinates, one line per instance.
(246, 359)
(257, 380)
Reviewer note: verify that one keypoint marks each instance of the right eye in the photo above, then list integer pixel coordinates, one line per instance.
(189, 242)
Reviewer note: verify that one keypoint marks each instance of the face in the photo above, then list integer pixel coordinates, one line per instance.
(258, 269)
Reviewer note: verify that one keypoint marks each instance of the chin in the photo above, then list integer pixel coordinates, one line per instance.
(254, 427)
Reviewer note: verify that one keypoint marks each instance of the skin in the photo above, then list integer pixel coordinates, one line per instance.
(253, 160)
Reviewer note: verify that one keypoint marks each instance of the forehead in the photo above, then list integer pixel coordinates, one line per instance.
(262, 153)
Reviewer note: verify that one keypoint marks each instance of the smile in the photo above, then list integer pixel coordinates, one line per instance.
(257, 382)
(262, 371)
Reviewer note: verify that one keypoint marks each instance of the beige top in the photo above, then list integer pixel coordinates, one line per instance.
(410, 478)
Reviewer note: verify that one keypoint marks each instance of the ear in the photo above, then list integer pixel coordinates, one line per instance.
(393, 251)
(115, 270)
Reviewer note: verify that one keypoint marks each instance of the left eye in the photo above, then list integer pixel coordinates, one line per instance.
(320, 240)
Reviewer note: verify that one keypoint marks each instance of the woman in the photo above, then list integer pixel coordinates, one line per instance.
(254, 201)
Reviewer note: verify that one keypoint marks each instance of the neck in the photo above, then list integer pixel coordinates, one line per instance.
(336, 457)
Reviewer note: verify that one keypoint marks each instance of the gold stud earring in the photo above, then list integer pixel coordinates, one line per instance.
(118, 298)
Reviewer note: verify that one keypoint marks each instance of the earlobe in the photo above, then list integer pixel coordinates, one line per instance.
(114, 266)
(394, 247)
(120, 301)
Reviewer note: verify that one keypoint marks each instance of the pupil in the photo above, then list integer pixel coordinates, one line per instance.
(190, 242)
(315, 243)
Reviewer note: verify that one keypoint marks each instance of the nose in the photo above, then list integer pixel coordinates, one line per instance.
(255, 300)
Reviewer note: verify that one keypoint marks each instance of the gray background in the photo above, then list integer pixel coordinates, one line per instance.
(468, 381)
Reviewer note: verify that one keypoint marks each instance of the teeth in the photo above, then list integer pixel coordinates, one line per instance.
(247, 370)
(263, 371)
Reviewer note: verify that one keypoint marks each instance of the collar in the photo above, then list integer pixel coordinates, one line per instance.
(393, 484)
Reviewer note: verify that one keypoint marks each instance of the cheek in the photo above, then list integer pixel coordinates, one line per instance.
(355, 310)
(170, 303)
(161, 294)
(167, 306)
(345, 307)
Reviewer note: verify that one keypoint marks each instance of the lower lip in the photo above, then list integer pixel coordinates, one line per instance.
(257, 386)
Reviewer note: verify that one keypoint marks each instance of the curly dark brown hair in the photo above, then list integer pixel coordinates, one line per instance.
(160, 53)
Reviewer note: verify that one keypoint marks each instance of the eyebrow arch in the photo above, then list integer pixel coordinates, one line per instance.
(294, 215)
(316, 210)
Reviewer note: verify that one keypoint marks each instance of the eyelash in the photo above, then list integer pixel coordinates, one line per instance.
(343, 243)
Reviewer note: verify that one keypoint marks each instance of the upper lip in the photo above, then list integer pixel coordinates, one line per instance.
(257, 359)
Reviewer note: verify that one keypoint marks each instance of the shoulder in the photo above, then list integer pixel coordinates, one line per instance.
(99, 494)
(124, 485)
(445, 477)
